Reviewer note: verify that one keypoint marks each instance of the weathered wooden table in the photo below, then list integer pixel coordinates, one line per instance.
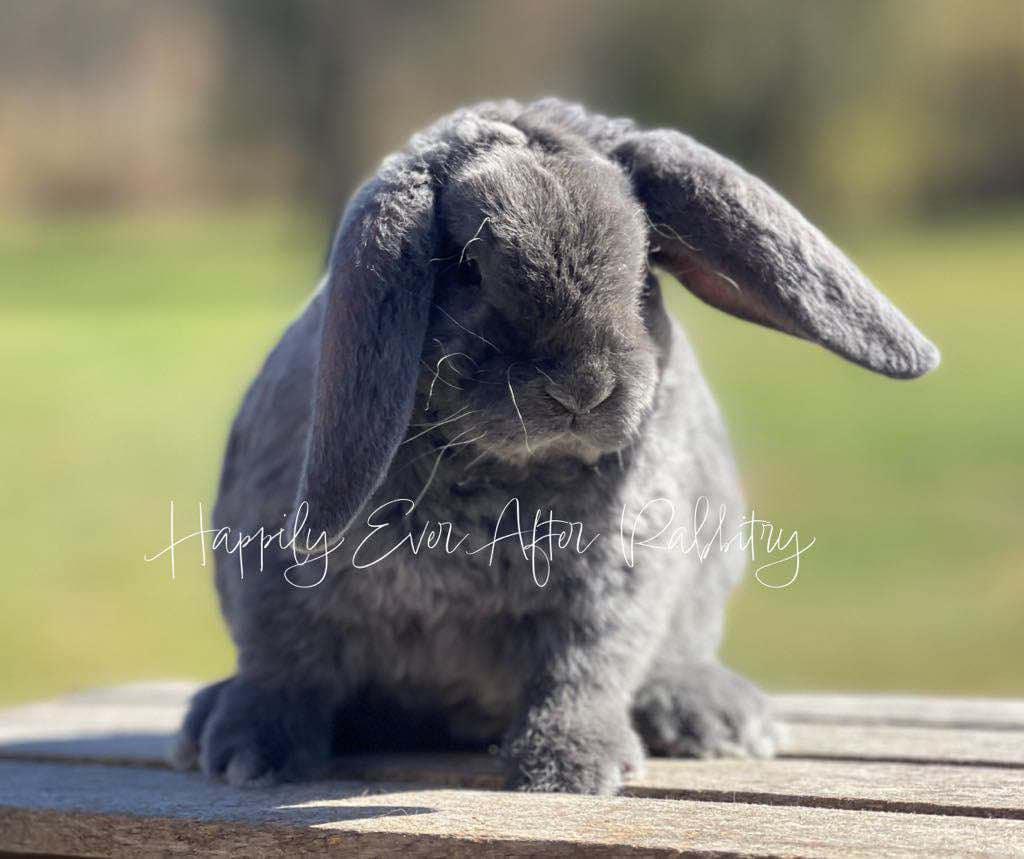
(859, 776)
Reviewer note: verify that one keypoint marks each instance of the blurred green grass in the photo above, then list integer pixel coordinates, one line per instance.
(128, 343)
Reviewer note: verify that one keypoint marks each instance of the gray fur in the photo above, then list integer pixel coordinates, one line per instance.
(490, 329)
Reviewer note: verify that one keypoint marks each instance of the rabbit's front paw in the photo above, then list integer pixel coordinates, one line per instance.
(707, 712)
(593, 758)
(184, 752)
(252, 736)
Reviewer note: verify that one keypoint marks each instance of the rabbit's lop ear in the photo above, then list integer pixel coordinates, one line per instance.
(739, 246)
(379, 293)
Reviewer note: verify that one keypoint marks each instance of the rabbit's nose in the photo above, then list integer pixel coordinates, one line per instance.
(581, 396)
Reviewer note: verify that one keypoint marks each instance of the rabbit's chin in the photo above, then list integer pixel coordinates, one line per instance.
(556, 447)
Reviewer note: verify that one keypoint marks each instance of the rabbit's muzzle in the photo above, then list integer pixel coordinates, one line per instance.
(532, 409)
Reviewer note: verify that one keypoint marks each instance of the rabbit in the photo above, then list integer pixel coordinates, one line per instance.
(490, 332)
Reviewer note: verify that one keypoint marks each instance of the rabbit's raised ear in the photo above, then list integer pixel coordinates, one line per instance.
(739, 246)
(379, 293)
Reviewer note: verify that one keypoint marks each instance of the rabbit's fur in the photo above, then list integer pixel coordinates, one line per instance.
(490, 329)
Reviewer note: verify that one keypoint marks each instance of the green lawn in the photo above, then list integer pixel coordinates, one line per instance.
(126, 346)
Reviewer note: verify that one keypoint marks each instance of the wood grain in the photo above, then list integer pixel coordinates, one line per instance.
(124, 811)
(908, 710)
(993, 748)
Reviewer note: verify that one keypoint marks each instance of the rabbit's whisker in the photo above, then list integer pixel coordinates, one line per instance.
(728, 280)
(512, 394)
(464, 328)
(437, 371)
(434, 450)
(437, 375)
(444, 358)
(545, 375)
(669, 232)
(477, 380)
(476, 459)
(454, 354)
(476, 238)
(458, 416)
(440, 456)
(456, 413)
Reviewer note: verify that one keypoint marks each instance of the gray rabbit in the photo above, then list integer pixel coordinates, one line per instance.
(490, 343)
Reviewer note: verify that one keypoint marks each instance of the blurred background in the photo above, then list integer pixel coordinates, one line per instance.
(170, 172)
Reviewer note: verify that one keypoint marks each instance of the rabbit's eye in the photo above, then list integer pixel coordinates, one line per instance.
(468, 273)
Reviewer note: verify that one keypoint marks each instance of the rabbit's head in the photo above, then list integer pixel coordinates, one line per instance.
(497, 277)
(538, 335)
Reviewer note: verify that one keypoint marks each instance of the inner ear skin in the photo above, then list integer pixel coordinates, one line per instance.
(716, 289)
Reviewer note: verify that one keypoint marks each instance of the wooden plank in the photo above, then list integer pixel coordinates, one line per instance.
(965, 791)
(801, 707)
(827, 708)
(133, 725)
(953, 790)
(909, 710)
(933, 789)
(150, 694)
(121, 811)
(998, 748)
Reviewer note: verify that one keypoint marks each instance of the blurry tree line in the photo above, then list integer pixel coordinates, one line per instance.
(858, 109)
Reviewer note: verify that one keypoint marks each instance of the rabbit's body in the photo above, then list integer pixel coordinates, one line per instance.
(561, 664)
(456, 635)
